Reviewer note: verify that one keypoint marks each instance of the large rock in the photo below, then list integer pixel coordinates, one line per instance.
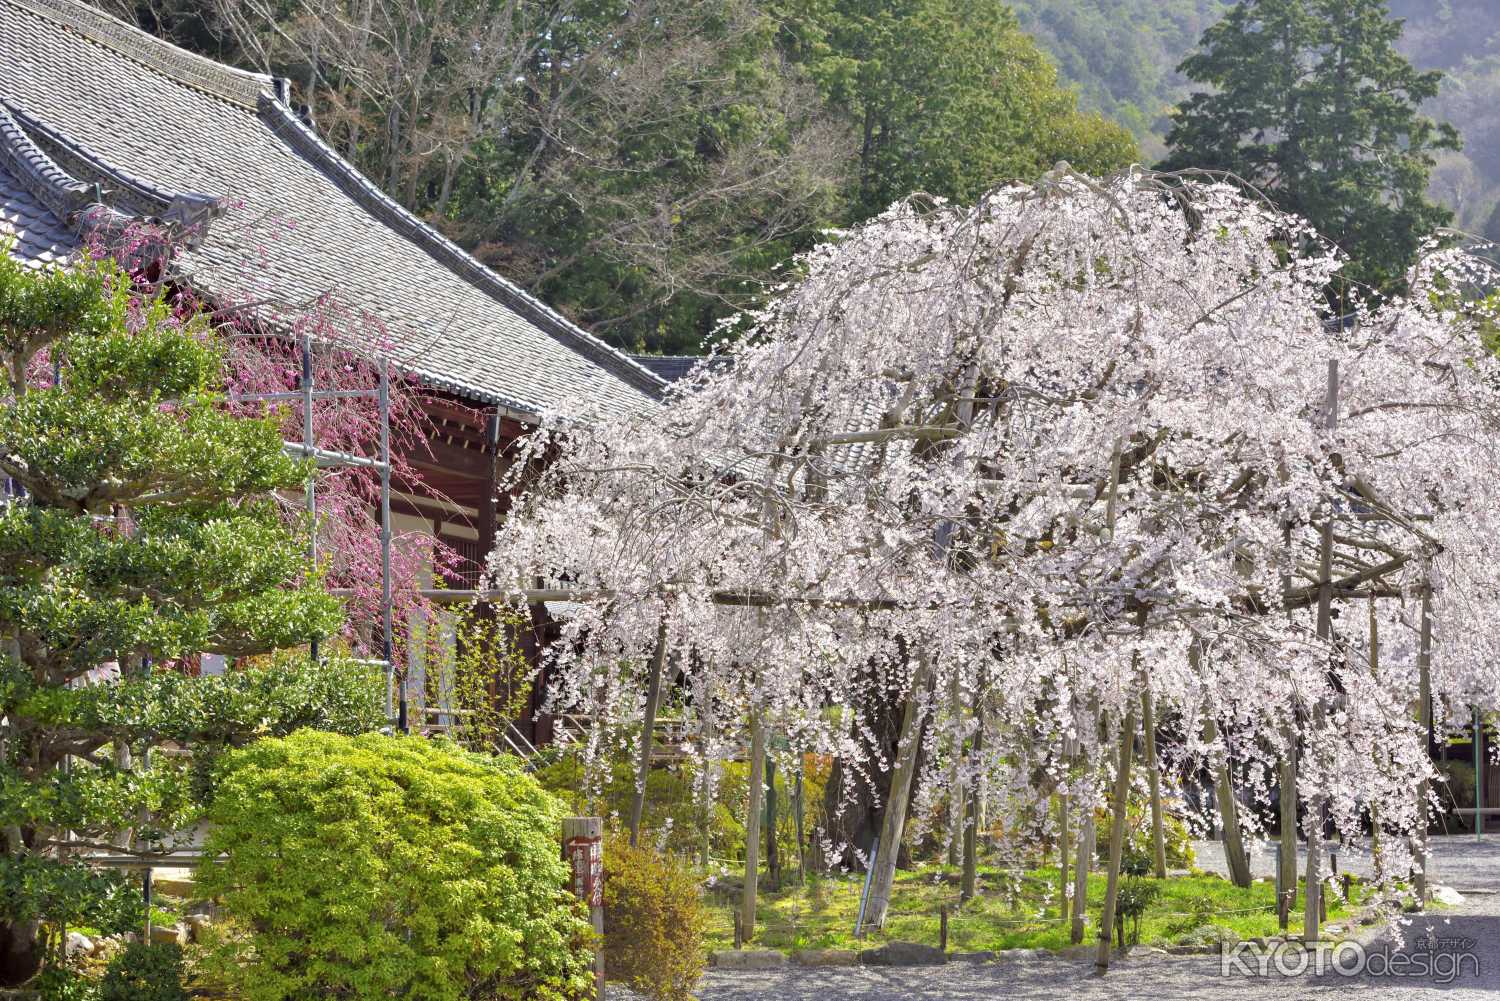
(78, 944)
(747, 959)
(168, 935)
(826, 957)
(985, 956)
(196, 923)
(904, 954)
(1447, 895)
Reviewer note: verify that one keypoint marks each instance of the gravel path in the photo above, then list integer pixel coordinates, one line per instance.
(1472, 928)
(1457, 860)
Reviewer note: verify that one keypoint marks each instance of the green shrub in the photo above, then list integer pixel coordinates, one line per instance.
(378, 867)
(144, 973)
(653, 922)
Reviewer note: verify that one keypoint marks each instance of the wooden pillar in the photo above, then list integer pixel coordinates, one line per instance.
(648, 727)
(1312, 905)
(1116, 838)
(752, 821)
(1062, 858)
(970, 883)
(1424, 719)
(583, 847)
(1153, 767)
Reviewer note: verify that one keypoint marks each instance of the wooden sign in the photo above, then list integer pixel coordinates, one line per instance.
(586, 860)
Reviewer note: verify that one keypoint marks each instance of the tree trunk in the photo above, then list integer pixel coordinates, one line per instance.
(752, 822)
(957, 801)
(894, 825)
(648, 727)
(1116, 838)
(1153, 765)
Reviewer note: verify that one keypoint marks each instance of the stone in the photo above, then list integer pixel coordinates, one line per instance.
(826, 957)
(196, 923)
(78, 944)
(984, 956)
(1023, 954)
(168, 935)
(1447, 895)
(747, 959)
(7, 994)
(904, 954)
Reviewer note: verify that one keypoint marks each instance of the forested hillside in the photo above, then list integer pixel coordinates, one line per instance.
(1122, 56)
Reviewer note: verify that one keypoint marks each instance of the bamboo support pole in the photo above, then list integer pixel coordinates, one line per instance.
(1118, 806)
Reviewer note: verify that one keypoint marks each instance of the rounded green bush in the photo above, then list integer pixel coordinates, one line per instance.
(380, 867)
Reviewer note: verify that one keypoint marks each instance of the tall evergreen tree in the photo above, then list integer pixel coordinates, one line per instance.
(1312, 103)
(141, 530)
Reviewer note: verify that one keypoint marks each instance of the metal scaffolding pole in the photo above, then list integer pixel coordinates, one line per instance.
(385, 547)
(312, 475)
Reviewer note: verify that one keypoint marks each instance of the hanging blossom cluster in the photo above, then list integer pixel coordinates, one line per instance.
(1021, 463)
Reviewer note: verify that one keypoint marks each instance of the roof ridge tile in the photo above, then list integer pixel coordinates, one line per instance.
(230, 83)
(61, 192)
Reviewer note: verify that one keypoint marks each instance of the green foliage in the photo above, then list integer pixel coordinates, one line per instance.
(1311, 101)
(144, 972)
(372, 867)
(949, 98)
(37, 888)
(144, 533)
(653, 922)
(63, 983)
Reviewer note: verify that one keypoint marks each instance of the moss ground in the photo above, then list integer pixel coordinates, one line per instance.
(1014, 909)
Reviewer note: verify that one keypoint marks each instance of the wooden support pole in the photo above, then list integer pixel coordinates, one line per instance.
(752, 821)
(893, 825)
(943, 928)
(957, 802)
(799, 809)
(1116, 837)
(1287, 859)
(1085, 861)
(583, 848)
(1062, 858)
(1312, 910)
(1424, 719)
(648, 728)
(773, 850)
(971, 826)
(1153, 766)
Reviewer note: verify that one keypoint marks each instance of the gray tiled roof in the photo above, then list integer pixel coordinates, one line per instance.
(40, 237)
(161, 128)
